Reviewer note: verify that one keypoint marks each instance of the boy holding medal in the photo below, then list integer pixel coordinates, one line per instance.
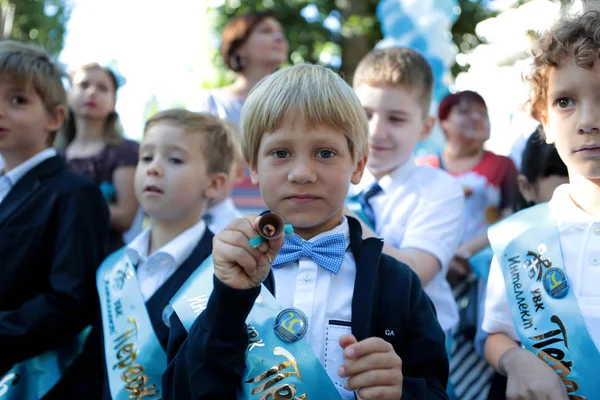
(545, 269)
(354, 320)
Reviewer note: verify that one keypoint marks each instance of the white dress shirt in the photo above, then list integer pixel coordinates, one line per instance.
(326, 299)
(422, 208)
(9, 179)
(221, 214)
(580, 245)
(154, 270)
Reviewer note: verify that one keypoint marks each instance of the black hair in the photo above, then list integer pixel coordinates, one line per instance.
(540, 160)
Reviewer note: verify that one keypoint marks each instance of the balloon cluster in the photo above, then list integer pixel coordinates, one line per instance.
(423, 25)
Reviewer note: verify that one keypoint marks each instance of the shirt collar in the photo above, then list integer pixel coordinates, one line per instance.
(343, 228)
(225, 207)
(389, 182)
(568, 216)
(177, 250)
(15, 174)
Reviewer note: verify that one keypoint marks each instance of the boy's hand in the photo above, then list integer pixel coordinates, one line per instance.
(373, 368)
(237, 264)
(529, 378)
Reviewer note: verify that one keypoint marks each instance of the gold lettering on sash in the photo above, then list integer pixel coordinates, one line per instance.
(133, 375)
(253, 340)
(285, 391)
(554, 356)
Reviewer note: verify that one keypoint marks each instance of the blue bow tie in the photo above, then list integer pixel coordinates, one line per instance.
(327, 252)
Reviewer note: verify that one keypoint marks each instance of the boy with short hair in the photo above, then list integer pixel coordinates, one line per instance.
(53, 230)
(355, 321)
(184, 161)
(417, 210)
(221, 210)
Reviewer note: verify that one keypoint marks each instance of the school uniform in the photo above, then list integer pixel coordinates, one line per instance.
(555, 304)
(422, 208)
(219, 215)
(365, 298)
(53, 236)
(160, 276)
(580, 246)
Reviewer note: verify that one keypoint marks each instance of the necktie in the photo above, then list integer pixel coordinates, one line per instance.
(207, 218)
(327, 252)
(364, 197)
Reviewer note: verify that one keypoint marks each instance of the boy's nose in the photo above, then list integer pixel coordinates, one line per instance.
(154, 169)
(589, 122)
(376, 127)
(302, 171)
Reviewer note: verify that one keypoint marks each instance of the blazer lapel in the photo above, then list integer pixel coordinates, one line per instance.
(27, 186)
(366, 255)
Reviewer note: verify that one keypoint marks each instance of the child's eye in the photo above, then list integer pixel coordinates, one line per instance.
(18, 100)
(564, 102)
(281, 154)
(146, 159)
(326, 153)
(396, 119)
(176, 160)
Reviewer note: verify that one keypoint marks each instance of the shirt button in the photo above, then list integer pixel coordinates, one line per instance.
(595, 260)
(307, 277)
(596, 229)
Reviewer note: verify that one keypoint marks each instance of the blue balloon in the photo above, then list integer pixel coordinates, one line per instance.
(447, 7)
(419, 43)
(396, 25)
(386, 8)
(437, 66)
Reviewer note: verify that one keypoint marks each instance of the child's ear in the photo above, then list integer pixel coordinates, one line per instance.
(216, 184)
(55, 119)
(427, 128)
(238, 173)
(253, 172)
(526, 188)
(359, 170)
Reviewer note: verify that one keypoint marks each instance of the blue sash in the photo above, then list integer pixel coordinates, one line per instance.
(355, 206)
(544, 309)
(274, 368)
(34, 378)
(135, 360)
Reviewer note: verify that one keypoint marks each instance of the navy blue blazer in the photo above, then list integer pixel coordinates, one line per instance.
(53, 236)
(88, 380)
(209, 363)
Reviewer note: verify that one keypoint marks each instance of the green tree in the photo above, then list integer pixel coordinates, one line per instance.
(359, 29)
(40, 22)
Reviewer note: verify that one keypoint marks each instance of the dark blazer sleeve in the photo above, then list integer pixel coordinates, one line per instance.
(422, 345)
(209, 362)
(78, 242)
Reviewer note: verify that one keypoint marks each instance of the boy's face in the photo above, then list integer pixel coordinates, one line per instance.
(573, 121)
(24, 122)
(304, 175)
(171, 180)
(397, 122)
(468, 124)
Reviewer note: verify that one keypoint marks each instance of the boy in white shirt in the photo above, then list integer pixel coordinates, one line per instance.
(545, 271)
(418, 210)
(184, 161)
(221, 210)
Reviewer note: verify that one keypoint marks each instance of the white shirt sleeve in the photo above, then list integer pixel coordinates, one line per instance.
(436, 224)
(497, 317)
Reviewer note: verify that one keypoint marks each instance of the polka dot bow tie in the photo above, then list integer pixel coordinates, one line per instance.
(327, 252)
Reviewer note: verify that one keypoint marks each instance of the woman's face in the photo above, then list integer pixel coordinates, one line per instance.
(266, 45)
(92, 94)
(468, 124)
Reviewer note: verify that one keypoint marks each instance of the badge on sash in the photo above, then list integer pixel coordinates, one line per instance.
(555, 283)
(291, 324)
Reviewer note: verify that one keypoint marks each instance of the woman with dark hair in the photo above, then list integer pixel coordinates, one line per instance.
(253, 45)
(93, 145)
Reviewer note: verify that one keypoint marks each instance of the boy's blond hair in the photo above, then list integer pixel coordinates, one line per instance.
(29, 65)
(572, 37)
(313, 94)
(218, 146)
(397, 67)
(236, 137)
